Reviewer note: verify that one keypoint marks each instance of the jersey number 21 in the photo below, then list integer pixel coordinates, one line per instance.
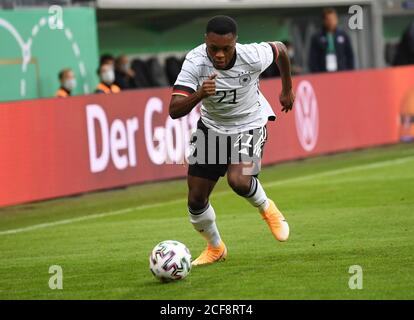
(224, 94)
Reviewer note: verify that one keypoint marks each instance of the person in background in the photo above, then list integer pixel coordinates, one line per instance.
(296, 69)
(106, 59)
(67, 83)
(107, 77)
(331, 48)
(124, 75)
(405, 50)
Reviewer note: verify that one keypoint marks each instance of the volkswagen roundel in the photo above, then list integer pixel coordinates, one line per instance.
(306, 116)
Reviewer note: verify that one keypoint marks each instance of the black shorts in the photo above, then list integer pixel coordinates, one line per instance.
(212, 152)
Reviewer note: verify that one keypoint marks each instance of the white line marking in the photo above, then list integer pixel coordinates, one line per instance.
(42, 21)
(350, 169)
(29, 42)
(26, 47)
(8, 26)
(35, 30)
(266, 185)
(88, 217)
(76, 49)
(82, 69)
(22, 87)
(68, 34)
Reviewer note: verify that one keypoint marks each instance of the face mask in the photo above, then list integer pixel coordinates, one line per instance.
(108, 76)
(69, 84)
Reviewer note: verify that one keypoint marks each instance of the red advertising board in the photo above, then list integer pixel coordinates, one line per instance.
(56, 147)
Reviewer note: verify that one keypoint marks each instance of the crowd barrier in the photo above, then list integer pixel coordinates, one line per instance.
(57, 147)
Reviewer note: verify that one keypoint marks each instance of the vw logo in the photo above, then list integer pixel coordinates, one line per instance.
(306, 116)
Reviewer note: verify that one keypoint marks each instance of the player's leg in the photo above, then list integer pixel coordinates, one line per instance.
(249, 187)
(202, 214)
(242, 178)
(203, 219)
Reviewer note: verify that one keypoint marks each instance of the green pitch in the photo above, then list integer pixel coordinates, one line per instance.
(350, 209)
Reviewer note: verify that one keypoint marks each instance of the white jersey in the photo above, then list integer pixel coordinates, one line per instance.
(238, 104)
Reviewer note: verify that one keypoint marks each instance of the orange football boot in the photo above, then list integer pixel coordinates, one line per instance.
(211, 254)
(276, 222)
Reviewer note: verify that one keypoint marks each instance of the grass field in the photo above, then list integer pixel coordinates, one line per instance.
(349, 209)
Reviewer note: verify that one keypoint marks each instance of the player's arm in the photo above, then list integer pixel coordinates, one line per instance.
(287, 97)
(182, 104)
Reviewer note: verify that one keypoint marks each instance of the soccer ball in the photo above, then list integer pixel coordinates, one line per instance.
(170, 260)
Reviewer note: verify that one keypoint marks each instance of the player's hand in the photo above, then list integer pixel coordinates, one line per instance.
(209, 87)
(287, 98)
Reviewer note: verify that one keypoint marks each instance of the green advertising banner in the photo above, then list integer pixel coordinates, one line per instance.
(35, 44)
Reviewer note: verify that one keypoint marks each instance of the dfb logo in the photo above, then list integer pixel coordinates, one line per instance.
(306, 116)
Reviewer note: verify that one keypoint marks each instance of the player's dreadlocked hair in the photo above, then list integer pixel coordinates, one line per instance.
(222, 25)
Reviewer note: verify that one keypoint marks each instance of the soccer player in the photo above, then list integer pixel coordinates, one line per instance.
(224, 76)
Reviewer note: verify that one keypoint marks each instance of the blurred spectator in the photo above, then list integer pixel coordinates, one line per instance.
(331, 48)
(296, 69)
(107, 77)
(67, 83)
(107, 59)
(173, 68)
(390, 53)
(405, 50)
(158, 76)
(124, 75)
(142, 76)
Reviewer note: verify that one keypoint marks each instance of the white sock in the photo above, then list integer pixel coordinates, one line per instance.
(204, 221)
(257, 196)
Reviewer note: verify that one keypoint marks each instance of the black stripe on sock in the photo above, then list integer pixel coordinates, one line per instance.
(253, 188)
(200, 211)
